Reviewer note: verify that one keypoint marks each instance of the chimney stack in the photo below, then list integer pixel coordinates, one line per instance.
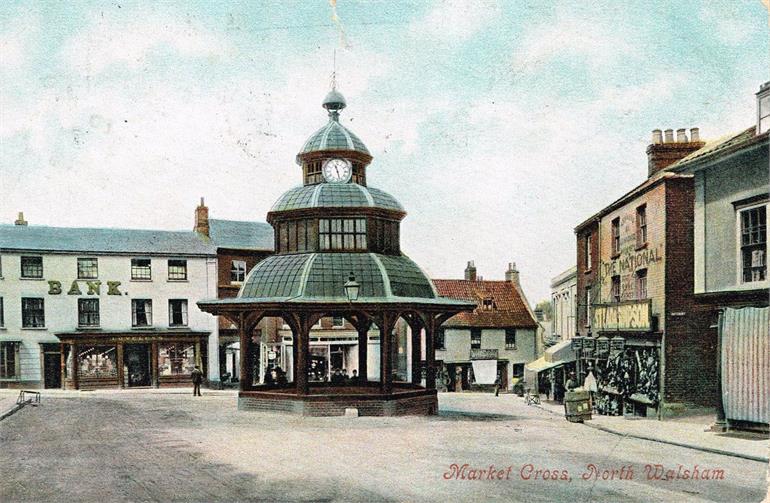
(657, 136)
(20, 220)
(512, 274)
(202, 219)
(660, 155)
(470, 271)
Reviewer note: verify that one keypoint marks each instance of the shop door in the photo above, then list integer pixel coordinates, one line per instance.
(336, 358)
(136, 359)
(52, 370)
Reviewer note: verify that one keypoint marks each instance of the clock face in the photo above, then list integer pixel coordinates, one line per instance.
(337, 170)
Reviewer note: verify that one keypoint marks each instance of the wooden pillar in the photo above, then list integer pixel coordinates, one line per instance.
(386, 362)
(119, 357)
(430, 353)
(301, 342)
(363, 354)
(154, 364)
(63, 365)
(244, 343)
(416, 352)
(74, 350)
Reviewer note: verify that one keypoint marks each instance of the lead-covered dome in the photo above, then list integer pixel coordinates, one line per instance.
(336, 195)
(321, 276)
(334, 136)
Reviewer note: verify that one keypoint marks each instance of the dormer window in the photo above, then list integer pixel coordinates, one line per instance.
(488, 304)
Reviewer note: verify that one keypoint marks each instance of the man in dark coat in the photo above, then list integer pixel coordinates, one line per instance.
(197, 379)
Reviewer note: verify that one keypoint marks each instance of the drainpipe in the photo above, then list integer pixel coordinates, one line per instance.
(721, 423)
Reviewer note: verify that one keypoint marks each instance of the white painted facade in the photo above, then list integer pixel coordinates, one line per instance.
(115, 309)
(564, 305)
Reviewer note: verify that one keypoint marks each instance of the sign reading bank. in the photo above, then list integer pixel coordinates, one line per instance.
(631, 316)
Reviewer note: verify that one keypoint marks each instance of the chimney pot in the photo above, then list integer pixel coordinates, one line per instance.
(512, 274)
(694, 134)
(20, 220)
(657, 136)
(202, 219)
(669, 136)
(470, 271)
(681, 135)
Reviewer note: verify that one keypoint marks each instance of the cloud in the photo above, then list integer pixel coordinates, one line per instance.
(573, 39)
(456, 20)
(107, 41)
(726, 24)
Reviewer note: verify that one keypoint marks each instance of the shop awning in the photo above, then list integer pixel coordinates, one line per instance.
(541, 364)
(560, 352)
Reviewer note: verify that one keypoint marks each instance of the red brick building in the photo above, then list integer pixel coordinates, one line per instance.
(636, 318)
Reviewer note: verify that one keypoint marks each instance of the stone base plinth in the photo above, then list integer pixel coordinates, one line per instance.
(332, 401)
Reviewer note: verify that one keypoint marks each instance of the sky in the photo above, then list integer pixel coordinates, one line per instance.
(499, 126)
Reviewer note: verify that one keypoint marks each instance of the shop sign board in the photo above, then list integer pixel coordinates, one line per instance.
(602, 346)
(588, 347)
(631, 316)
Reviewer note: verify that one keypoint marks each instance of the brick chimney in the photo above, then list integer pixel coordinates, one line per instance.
(20, 220)
(470, 271)
(512, 274)
(202, 219)
(664, 151)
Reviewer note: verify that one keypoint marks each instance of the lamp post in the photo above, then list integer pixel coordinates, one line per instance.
(352, 288)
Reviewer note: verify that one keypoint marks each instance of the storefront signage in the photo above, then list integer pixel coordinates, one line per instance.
(630, 261)
(617, 345)
(577, 343)
(631, 316)
(90, 287)
(602, 346)
(483, 354)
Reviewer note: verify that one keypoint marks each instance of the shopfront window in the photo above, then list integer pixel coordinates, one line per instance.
(176, 358)
(97, 362)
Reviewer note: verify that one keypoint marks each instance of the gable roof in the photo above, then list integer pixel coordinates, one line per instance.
(725, 145)
(241, 235)
(103, 240)
(510, 308)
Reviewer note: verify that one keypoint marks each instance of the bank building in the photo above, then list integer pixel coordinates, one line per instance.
(90, 308)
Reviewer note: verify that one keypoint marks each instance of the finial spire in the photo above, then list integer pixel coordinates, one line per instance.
(334, 101)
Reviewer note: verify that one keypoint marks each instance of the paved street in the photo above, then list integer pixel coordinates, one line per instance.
(171, 447)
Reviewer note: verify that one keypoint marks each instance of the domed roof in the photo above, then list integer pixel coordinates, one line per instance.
(336, 195)
(322, 276)
(334, 136)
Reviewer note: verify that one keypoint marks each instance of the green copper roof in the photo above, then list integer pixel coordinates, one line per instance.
(334, 136)
(322, 276)
(336, 195)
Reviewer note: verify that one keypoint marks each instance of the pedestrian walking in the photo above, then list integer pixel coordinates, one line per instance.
(498, 382)
(197, 379)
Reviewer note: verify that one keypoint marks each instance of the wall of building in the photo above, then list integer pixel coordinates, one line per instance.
(587, 276)
(564, 307)
(631, 258)
(457, 345)
(61, 310)
(717, 263)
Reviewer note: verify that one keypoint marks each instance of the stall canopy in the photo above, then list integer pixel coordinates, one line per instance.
(556, 355)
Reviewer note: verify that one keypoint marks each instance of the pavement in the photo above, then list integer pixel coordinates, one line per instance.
(165, 445)
(692, 432)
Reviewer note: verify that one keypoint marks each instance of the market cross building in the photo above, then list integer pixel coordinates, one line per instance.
(338, 254)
